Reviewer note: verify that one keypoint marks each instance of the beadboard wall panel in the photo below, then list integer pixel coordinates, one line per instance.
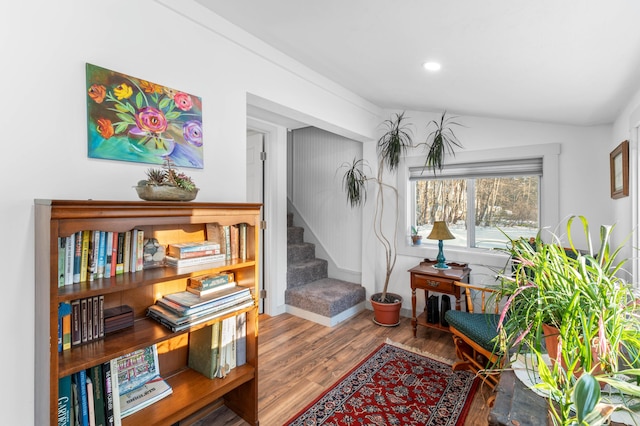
(318, 196)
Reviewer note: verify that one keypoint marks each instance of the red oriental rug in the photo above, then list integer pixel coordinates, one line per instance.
(394, 385)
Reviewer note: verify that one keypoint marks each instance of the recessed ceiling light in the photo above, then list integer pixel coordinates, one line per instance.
(431, 66)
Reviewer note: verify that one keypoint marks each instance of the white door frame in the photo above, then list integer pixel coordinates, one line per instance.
(274, 213)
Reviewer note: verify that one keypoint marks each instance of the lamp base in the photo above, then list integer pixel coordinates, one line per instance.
(441, 266)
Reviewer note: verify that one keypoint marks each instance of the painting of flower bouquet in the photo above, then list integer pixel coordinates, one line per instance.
(130, 119)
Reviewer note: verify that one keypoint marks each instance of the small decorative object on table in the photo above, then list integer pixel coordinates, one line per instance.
(153, 253)
(415, 237)
(166, 184)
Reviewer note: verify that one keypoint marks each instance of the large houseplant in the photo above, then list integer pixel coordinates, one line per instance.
(393, 143)
(594, 315)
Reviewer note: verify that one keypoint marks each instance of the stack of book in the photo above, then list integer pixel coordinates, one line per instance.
(181, 310)
(193, 255)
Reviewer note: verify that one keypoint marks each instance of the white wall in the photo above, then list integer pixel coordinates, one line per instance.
(45, 47)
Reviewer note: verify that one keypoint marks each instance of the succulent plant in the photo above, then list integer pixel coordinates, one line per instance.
(169, 176)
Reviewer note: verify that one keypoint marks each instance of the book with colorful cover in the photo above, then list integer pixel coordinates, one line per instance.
(108, 393)
(193, 261)
(139, 250)
(108, 254)
(113, 368)
(194, 249)
(69, 252)
(84, 257)
(202, 293)
(120, 254)
(204, 318)
(80, 379)
(102, 254)
(139, 381)
(77, 257)
(114, 253)
(209, 281)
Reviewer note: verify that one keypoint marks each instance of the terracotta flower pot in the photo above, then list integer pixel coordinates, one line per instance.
(386, 314)
(551, 334)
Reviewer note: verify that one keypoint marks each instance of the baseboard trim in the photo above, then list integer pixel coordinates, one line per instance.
(326, 321)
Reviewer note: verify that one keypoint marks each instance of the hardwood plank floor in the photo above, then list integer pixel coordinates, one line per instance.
(299, 359)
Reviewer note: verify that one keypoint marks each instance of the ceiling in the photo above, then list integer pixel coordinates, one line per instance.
(571, 61)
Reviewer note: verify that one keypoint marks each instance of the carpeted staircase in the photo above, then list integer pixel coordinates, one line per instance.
(310, 293)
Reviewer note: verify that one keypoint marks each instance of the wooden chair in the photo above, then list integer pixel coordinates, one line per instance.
(474, 335)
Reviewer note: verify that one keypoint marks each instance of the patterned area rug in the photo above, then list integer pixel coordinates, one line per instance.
(394, 385)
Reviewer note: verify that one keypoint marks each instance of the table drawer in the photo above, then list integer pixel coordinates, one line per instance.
(440, 285)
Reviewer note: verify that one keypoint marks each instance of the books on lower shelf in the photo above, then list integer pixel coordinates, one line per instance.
(219, 348)
(106, 393)
(181, 310)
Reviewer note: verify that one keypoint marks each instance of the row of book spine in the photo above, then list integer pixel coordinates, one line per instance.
(106, 393)
(93, 254)
(80, 321)
(232, 239)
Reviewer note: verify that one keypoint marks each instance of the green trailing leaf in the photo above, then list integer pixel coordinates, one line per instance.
(121, 108)
(586, 395)
(126, 118)
(139, 100)
(172, 115)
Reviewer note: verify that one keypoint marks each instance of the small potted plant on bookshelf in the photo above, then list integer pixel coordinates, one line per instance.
(166, 184)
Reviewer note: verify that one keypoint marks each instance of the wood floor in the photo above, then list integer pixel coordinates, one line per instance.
(298, 359)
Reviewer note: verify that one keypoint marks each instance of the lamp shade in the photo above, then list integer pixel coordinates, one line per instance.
(440, 231)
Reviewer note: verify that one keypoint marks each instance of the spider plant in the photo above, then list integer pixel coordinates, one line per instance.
(594, 313)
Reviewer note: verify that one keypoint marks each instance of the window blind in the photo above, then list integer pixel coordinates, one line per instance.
(517, 167)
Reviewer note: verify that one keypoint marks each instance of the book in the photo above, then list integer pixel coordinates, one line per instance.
(195, 249)
(190, 300)
(113, 368)
(212, 290)
(75, 403)
(241, 339)
(234, 241)
(94, 246)
(84, 256)
(126, 252)
(200, 319)
(120, 254)
(65, 404)
(96, 376)
(62, 254)
(108, 254)
(209, 281)
(215, 234)
(102, 254)
(114, 254)
(96, 317)
(64, 326)
(77, 257)
(139, 381)
(80, 379)
(69, 253)
(194, 261)
(84, 320)
(133, 252)
(140, 251)
(108, 393)
(89, 318)
(101, 315)
(204, 348)
(171, 314)
(226, 231)
(76, 323)
(90, 403)
(242, 243)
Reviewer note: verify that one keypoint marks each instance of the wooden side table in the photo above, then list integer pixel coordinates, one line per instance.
(426, 277)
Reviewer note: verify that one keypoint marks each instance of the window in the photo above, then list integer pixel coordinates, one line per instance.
(480, 202)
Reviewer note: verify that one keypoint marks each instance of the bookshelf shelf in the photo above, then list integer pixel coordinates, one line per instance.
(193, 393)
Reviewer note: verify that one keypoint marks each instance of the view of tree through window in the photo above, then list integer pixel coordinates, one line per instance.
(496, 205)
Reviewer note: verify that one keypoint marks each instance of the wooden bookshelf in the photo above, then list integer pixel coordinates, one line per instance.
(169, 222)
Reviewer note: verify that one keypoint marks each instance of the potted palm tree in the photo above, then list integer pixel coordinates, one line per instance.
(394, 143)
(577, 299)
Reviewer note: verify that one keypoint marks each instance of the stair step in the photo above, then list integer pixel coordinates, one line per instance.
(327, 297)
(295, 235)
(298, 252)
(304, 272)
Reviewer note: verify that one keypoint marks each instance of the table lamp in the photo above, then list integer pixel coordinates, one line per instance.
(440, 232)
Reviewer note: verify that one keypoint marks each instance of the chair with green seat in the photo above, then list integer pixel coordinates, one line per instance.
(475, 335)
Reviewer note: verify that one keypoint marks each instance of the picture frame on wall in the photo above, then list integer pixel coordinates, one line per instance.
(619, 169)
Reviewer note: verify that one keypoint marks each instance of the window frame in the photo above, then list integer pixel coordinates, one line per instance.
(549, 198)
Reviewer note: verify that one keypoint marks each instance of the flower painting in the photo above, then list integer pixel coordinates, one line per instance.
(130, 119)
